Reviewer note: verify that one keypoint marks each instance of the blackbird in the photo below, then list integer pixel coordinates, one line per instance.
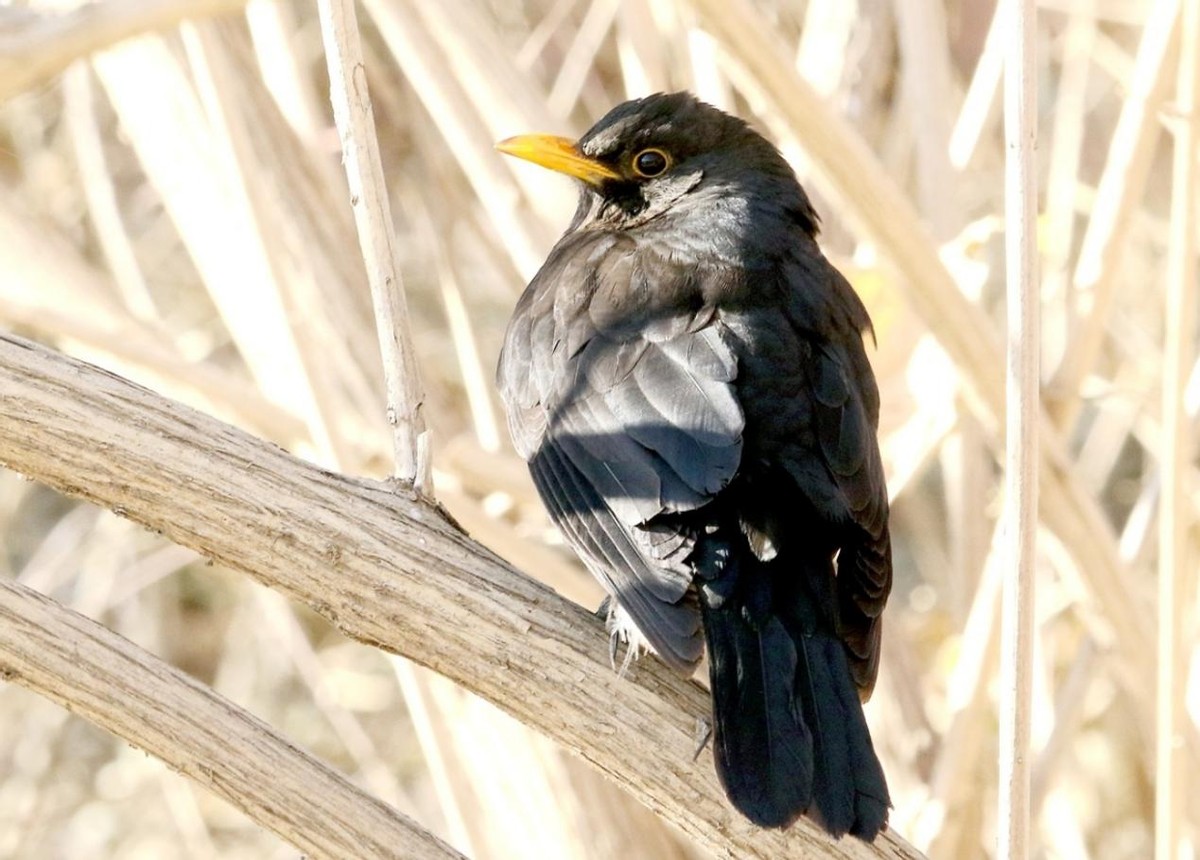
(687, 379)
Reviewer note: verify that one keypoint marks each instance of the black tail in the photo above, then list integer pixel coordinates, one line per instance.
(789, 734)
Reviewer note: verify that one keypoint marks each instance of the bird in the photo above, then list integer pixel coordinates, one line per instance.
(687, 379)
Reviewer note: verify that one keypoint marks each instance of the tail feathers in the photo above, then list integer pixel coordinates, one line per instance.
(764, 754)
(849, 790)
(789, 734)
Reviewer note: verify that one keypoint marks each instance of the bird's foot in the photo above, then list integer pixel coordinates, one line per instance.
(703, 736)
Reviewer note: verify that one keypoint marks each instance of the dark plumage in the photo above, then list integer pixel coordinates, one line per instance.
(686, 377)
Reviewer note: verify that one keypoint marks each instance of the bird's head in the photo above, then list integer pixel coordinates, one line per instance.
(672, 154)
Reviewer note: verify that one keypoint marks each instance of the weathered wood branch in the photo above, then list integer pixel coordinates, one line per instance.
(388, 569)
(95, 673)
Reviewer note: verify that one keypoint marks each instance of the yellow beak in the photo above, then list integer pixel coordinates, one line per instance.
(557, 153)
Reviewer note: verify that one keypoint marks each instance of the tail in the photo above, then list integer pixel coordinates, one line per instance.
(789, 734)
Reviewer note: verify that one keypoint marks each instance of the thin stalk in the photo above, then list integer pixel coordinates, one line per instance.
(1021, 441)
(1175, 577)
(364, 173)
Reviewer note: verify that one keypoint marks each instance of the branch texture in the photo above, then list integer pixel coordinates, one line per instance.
(95, 673)
(388, 569)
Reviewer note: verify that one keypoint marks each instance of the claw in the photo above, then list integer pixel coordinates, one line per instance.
(627, 661)
(703, 736)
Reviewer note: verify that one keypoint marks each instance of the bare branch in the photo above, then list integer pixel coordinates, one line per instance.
(92, 671)
(376, 238)
(388, 569)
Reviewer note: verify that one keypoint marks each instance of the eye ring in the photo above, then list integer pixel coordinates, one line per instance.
(651, 162)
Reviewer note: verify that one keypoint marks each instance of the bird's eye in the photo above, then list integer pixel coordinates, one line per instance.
(651, 162)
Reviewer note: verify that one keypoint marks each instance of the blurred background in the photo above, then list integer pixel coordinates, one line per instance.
(172, 207)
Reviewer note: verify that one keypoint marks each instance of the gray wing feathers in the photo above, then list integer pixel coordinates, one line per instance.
(671, 625)
(623, 424)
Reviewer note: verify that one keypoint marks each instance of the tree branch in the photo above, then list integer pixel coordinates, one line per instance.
(388, 569)
(95, 673)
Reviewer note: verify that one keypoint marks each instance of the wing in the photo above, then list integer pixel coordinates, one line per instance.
(813, 409)
(846, 411)
(845, 408)
(619, 391)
